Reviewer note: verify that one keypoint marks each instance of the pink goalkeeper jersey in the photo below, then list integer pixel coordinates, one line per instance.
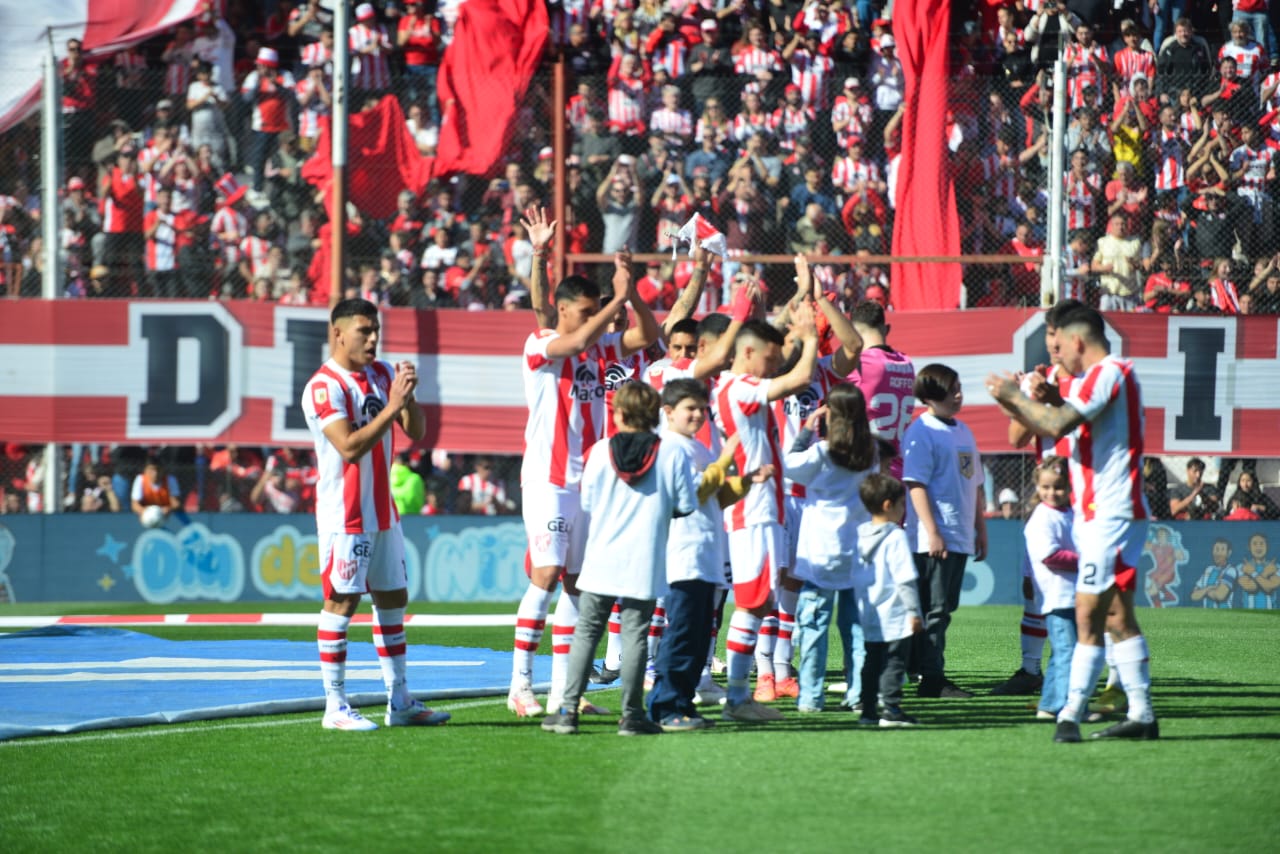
(566, 400)
(354, 497)
(742, 405)
(1106, 453)
(887, 380)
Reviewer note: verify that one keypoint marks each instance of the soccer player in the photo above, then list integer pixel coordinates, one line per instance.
(564, 384)
(756, 539)
(886, 377)
(351, 404)
(1104, 417)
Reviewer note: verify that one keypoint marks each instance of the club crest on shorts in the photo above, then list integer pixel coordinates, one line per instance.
(966, 464)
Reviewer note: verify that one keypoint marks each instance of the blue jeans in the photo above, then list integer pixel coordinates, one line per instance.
(1061, 626)
(814, 620)
(851, 643)
(421, 81)
(683, 650)
(1170, 11)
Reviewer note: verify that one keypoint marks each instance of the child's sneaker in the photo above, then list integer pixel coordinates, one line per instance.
(649, 676)
(346, 718)
(749, 711)
(788, 687)
(709, 694)
(522, 701)
(893, 716)
(638, 726)
(562, 722)
(586, 707)
(766, 690)
(415, 714)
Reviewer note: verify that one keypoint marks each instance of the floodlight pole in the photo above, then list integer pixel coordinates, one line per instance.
(339, 112)
(1051, 271)
(50, 181)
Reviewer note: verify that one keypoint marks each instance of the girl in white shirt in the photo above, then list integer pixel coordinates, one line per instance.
(1051, 568)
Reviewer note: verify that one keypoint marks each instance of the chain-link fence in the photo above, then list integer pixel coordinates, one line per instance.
(780, 123)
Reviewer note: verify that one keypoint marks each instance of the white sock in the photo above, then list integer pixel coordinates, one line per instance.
(1114, 677)
(613, 643)
(1086, 664)
(1033, 634)
(657, 626)
(716, 616)
(331, 638)
(1133, 660)
(765, 644)
(531, 620)
(389, 640)
(562, 642)
(787, 600)
(740, 646)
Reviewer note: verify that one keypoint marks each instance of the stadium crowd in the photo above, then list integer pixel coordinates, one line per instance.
(777, 122)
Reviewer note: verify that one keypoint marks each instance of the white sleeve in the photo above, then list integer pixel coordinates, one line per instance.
(803, 466)
(898, 557)
(917, 453)
(135, 491)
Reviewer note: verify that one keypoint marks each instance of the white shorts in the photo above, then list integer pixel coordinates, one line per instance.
(754, 552)
(1109, 553)
(555, 527)
(358, 563)
(792, 509)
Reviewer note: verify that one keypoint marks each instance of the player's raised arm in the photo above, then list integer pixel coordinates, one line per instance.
(1054, 421)
(692, 292)
(541, 232)
(845, 359)
(646, 331)
(353, 444)
(802, 374)
(719, 353)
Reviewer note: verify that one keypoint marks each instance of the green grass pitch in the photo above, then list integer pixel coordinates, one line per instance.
(977, 775)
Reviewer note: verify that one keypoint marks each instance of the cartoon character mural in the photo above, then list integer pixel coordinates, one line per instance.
(7, 544)
(1218, 581)
(1258, 579)
(1164, 545)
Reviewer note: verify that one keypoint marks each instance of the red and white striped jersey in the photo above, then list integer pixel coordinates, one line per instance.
(256, 250)
(566, 400)
(752, 60)
(1224, 295)
(316, 54)
(742, 405)
(887, 381)
(370, 71)
(748, 124)
(1106, 450)
(1047, 446)
(859, 114)
(1000, 176)
(311, 108)
(485, 494)
(1251, 60)
(1079, 59)
(177, 70)
(673, 124)
(627, 105)
(789, 123)
(1187, 124)
(846, 173)
(161, 254)
(812, 73)
(1169, 148)
(673, 55)
(1271, 80)
(1257, 165)
(270, 100)
(790, 413)
(1082, 208)
(229, 221)
(354, 497)
(1130, 62)
(618, 371)
(663, 372)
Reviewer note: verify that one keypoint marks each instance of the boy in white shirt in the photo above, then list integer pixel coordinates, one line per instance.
(888, 601)
(632, 487)
(942, 471)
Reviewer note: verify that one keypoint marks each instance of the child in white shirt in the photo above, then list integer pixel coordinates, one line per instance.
(831, 471)
(888, 600)
(1051, 558)
(633, 485)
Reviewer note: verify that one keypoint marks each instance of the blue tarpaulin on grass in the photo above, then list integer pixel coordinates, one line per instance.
(68, 679)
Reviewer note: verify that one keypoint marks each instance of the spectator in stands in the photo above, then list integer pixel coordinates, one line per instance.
(270, 92)
(122, 206)
(1222, 289)
(1265, 287)
(206, 102)
(1253, 498)
(1117, 260)
(371, 50)
(711, 67)
(1127, 196)
(1195, 499)
(1155, 480)
(1183, 62)
(160, 230)
(619, 206)
(276, 492)
(1213, 224)
(156, 487)
(418, 36)
(479, 493)
(710, 160)
(596, 149)
(816, 226)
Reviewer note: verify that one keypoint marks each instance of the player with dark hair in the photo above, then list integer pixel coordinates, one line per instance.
(1103, 414)
(351, 404)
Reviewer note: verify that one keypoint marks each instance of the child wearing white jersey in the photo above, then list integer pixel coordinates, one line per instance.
(633, 485)
(1051, 566)
(830, 472)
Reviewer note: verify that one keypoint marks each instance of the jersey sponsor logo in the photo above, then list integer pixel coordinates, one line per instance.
(802, 403)
(617, 375)
(586, 384)
(369, 409)
(560, 525)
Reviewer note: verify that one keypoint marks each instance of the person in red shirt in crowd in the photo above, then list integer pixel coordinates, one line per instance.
(1024, 278)
(1166, 291)
(1222, 290)
(1127, 195)
(121, 195)
(654, 290)
(270, 91)
(160, 229)
(418, 37)
(78, 91)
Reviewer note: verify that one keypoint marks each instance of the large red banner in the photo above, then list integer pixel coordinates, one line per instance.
(155, 372)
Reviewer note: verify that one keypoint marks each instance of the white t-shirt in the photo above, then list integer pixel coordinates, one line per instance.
(697, 544)
(628, 524)
(826, 549)
(1048, 531)
(1106, 452)
(876, 582)
(944, 459)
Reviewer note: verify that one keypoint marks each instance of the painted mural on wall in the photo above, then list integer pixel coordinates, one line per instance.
(253, 557)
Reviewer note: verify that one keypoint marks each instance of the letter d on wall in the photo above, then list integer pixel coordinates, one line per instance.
(194, 370)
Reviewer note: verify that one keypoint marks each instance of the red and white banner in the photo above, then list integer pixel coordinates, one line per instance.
(102, 26)
(159, 372)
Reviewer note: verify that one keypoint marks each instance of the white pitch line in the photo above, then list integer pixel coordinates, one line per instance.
(170, 729)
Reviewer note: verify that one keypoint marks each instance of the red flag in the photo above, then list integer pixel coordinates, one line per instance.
(382, 159)
(496, 47)
(926, 222)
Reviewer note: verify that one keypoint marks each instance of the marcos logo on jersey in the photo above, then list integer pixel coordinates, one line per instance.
(586, 383)
(617, 375)
(369, 409)
(966, 464)
(802, 403)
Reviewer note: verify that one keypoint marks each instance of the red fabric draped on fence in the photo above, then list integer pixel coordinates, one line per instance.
(926, 222)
